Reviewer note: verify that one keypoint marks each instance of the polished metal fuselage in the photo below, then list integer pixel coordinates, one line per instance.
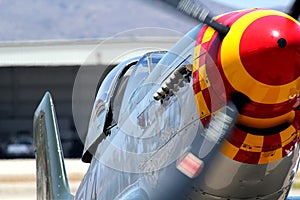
(138, 156)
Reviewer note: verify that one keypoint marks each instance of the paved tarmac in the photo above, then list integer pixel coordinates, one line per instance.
(18, 180)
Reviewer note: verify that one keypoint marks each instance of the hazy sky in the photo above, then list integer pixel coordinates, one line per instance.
(256, 3)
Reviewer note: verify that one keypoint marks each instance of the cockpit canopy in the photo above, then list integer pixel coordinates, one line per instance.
(118, 85)
(129, 82)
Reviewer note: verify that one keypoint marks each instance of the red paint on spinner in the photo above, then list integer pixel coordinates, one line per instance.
(264, 58)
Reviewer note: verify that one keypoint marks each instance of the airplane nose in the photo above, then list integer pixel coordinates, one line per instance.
(270, 50)
(260, 57)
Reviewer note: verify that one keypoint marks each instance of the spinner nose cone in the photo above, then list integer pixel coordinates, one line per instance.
(270, 50)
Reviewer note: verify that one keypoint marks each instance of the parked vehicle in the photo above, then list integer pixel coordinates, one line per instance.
(22, 148)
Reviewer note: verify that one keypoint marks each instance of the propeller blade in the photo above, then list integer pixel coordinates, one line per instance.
(295, 10)
(199, 12)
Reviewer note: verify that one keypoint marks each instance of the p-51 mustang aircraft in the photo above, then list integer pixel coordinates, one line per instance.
(216, 117)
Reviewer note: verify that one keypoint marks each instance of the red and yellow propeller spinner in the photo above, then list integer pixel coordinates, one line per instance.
(260, 58)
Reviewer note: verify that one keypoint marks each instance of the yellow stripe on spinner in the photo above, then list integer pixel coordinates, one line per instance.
(266, 122)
